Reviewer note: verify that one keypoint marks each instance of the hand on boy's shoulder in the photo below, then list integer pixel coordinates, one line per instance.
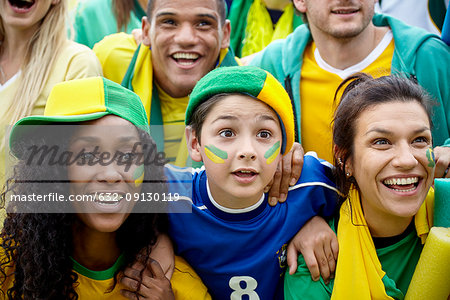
(287, 174)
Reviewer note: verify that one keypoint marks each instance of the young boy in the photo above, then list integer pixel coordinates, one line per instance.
(240, 122)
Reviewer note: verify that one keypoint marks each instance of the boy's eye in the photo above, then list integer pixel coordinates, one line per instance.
(264, 134)
(226, 133)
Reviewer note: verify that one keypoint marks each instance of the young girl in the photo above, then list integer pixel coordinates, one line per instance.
(60, 255)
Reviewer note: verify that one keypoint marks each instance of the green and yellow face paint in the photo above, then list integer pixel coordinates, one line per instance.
(138, 175)
(272, 153)
(430, 156)
(215, 154)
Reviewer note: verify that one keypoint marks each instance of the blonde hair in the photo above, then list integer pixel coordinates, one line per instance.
(43, 47)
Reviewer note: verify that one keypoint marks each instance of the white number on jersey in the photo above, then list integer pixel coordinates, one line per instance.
(249, 290)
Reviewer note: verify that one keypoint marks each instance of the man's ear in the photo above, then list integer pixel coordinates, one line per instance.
(300, 5)
(226, 32)
(193, 144)
(146, 32)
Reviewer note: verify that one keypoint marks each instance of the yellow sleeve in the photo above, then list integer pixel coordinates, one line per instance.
(186, 284)
(115, 52)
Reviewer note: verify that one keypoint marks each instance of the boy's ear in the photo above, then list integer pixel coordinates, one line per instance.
(193, 144)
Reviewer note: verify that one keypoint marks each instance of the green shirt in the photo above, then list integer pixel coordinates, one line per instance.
(398, 260)
(95, 19)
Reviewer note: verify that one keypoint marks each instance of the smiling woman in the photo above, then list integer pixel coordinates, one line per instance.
(384, 168)
(79, 249)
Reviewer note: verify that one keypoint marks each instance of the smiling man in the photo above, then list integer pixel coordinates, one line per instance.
(181, 42)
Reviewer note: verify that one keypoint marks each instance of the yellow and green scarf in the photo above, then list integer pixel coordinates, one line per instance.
(358, 273)
(252, 28)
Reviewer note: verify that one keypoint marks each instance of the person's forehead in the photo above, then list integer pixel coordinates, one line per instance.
(186, 6)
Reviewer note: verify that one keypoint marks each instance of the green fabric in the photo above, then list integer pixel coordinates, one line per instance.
(247, 80)
(99, 275)
(416, 53)
(156, 120)
(95, 19)
(398, 261)
(238, 19)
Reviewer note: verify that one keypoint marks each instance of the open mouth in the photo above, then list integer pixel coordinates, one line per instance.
(245, 173)
(402, 184)
(21, 4)
(185, 59)
(345, 11)
(108, 199)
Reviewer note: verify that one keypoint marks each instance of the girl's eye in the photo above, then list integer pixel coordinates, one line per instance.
(226, 133)
(126, 157)
(381, 142)
(264, 134)
(86, 157)
(421, 139)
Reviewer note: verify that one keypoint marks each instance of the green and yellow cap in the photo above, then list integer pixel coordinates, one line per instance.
(251, 81)
(82, 100)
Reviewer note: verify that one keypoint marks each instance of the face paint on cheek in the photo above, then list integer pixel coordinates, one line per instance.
(138, 175)
(430, 156)
(272, 153)
(215, 154)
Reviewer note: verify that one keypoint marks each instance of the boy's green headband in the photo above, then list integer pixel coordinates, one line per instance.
(251, 81)
(84, 100)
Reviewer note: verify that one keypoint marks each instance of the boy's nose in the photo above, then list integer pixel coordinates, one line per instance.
(247, 156)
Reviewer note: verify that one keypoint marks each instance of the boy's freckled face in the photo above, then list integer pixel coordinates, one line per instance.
(240, 148)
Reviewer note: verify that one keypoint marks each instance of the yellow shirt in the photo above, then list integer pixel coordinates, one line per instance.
(173, 113)
(186, 285)
(318, 85)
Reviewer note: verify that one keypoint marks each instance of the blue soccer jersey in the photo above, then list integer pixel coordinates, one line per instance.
(241, 253)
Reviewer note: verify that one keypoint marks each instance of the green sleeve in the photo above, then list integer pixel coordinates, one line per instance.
(433, 73)
(301, 286)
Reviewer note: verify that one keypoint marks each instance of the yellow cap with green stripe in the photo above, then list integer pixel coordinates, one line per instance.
(82, 100)
(251, 81)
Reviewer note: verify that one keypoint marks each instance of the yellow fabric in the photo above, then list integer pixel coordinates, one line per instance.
(186, 284)
(270, 94)
(78, 98)
(88, 288)
(358, 271)
(317, 88)
(173, 112)
(430, 280)
(260, 32)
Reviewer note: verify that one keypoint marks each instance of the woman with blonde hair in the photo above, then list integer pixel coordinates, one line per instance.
(35, 54)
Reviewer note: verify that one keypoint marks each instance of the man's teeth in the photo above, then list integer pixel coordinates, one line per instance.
(182, 55)
(401, 181)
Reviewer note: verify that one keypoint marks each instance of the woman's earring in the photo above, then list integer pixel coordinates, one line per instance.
(339, 161)
(348, 174)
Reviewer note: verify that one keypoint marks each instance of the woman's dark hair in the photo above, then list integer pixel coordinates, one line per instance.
(37, 246)
(362, 92)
